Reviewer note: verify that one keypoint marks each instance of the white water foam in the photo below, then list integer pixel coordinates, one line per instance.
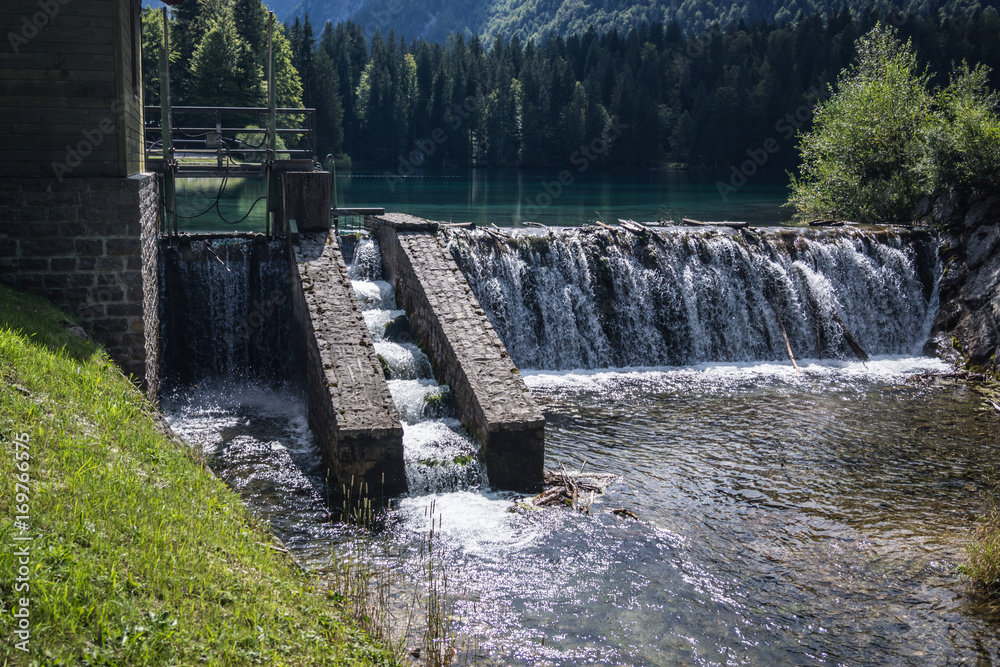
(374, 294)
(599, 299)
(884, 368)
(406, 361)
(418, 400)
(376, 320)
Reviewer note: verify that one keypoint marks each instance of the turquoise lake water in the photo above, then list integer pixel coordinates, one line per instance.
(509, 197)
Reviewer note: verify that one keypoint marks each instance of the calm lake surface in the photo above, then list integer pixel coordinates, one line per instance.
(813, 519)
(506, 198)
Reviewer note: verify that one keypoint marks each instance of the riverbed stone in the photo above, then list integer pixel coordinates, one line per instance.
(491, 399)
(351, 411)
(981, 244)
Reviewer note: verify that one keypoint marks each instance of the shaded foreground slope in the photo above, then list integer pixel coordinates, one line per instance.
(138, 554)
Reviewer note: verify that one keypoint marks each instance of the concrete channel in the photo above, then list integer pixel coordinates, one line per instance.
(351, 411)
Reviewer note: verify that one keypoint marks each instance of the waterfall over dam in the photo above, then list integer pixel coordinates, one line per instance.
(602, 297)
(225, 309)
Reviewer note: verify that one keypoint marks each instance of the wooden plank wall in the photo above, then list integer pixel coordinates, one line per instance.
(130, 135)
(68, 87)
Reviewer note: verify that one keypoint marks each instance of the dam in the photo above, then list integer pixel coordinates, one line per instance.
(479, 305)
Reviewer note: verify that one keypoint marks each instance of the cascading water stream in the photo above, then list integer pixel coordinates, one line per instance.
(439, 456)
(599, 298)
(224, 310)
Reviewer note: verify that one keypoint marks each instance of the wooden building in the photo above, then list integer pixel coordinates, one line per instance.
(71, 88)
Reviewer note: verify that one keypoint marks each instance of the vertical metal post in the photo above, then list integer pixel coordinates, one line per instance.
(272, 144)
(166, 127)
(333, 181)
(218, 136)
(312, 135)
(272, 199)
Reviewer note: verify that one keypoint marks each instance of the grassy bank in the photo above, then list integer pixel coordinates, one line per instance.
(983, 565)
(138, 555)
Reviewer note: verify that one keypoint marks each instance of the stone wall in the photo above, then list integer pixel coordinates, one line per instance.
(491, 399)
(970, 287)
(89, 245)
(351, 411)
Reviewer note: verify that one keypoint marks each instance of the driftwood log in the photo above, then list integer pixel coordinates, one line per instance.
(723, 223)
(572, 489)
(860, 353)
(784, 334)
(636, 228)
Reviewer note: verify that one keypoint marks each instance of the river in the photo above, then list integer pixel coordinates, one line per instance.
(782, 517)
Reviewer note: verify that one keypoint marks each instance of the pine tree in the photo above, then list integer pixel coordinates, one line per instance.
(223, 68)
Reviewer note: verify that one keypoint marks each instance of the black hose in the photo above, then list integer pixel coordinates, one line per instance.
(215, 205)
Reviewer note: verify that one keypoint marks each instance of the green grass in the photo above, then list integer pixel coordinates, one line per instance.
(983, 564)
(139, 555)
(983, 551)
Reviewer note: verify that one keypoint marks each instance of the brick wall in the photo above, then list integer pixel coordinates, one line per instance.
(90, 246)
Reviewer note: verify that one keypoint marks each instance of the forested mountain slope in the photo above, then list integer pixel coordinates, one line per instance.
(435, 20)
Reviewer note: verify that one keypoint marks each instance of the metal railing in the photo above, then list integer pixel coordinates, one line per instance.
(205, 132)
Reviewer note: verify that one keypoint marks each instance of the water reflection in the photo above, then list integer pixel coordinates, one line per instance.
(509, 197)
(785, 519)
(240, 207)
(502, 197)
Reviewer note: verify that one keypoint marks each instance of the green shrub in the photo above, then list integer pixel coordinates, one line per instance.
(962, 140)
(884, 139)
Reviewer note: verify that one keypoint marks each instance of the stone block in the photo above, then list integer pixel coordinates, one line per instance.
(123, 246)
(110, 264)
(57, 281)
(64, 214)
(124, 309)
(33, 213)
(64, 264)
(88, 247)
(12, 198)
(109, 325)
(34, 264)
(61, 197)
(80, 279)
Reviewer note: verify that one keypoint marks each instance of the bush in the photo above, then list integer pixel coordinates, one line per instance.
(962, 141)
(884, 139)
